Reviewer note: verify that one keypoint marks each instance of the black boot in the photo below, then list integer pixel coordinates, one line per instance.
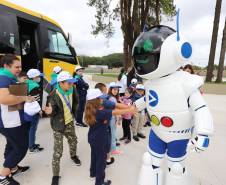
(55, 180)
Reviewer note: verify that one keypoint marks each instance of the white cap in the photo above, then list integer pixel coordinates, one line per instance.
(32, 73)
(57, 69)
(134, 81)
(114, 85)
(78, 68)
(93, 94)
(140, 87)
(65, 76)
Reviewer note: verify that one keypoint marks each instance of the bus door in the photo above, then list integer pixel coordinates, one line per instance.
(28, 34)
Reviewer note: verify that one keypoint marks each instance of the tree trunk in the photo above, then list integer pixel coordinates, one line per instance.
(210, 67)
(222, 56)
(126, 54)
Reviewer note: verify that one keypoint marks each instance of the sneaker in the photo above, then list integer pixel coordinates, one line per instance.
(127, 141)
(141, 135)
(55, 180)
(108, 182)
(20, 169)
(76, 160)
(37, 145)
(122, 138)
(81, 124)
(36, 149)
(116, 152)
(118, 144)
(8, 181)
(112, 160)
(92, 178)
(136, 138)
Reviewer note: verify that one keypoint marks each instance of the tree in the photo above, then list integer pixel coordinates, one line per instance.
(210, 67)
(134, 16)
(222, 56)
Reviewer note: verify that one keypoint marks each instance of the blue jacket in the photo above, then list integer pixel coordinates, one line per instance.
(81, 87)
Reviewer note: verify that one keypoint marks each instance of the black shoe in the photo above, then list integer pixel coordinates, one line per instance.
(55, 180)
(112, 160)
(141, 135)
(136, 138)
(145, 125)
(36, 149)
(8, 181)
(118, 144)
(76, 160)
(37, 145)
(148, 123)
(122, 138)
(81, 124)
(127, 141)
(20, 169)
(108, 182)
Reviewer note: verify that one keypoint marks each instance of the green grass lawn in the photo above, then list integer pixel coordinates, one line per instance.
(112, 75)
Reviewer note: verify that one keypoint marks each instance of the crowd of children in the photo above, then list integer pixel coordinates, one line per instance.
(105, 108)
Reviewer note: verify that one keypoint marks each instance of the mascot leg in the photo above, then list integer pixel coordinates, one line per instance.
(178, 175)
(151, 173)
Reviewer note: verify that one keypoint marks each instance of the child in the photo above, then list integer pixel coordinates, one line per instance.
(56, 72)
(138, 118)
(63, 104)
(102, 87)
(22, 78)
(126, 118)
(97, 117)
(113, 92)
(82, 88)
(32, 111)
(133, 84)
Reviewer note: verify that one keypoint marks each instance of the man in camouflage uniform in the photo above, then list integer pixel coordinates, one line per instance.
(62, 107)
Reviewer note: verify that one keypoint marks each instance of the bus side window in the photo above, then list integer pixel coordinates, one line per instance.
(8, 34)
(57, 43)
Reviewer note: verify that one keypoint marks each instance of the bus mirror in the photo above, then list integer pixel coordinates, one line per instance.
(69, 38)
(73, 51)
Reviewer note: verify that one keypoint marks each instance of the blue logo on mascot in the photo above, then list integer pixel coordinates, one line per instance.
(153, 98)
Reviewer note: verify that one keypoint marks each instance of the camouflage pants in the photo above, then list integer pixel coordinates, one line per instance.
(70, 135)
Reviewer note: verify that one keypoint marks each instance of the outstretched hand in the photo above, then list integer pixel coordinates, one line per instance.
(133, 110)
(48, 109)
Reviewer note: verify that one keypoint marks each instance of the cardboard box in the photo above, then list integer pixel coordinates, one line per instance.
(19, 89)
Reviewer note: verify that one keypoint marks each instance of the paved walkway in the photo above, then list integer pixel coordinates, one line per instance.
(210, 166)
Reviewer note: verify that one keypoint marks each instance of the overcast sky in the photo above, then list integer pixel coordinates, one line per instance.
(196, 23)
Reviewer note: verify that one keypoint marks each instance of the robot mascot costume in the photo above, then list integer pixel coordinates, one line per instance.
(179, 115)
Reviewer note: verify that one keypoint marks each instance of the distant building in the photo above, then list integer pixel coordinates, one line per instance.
(98, 66)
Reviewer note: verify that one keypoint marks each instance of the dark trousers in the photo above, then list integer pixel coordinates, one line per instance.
(16, 144)
(98, 161)
(126, 128)
(32, 132)
(81, 108)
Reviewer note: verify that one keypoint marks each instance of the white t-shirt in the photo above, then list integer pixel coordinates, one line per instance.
(123, 84)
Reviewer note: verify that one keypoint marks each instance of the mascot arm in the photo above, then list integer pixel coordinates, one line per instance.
(203, 121)
(140, 104)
